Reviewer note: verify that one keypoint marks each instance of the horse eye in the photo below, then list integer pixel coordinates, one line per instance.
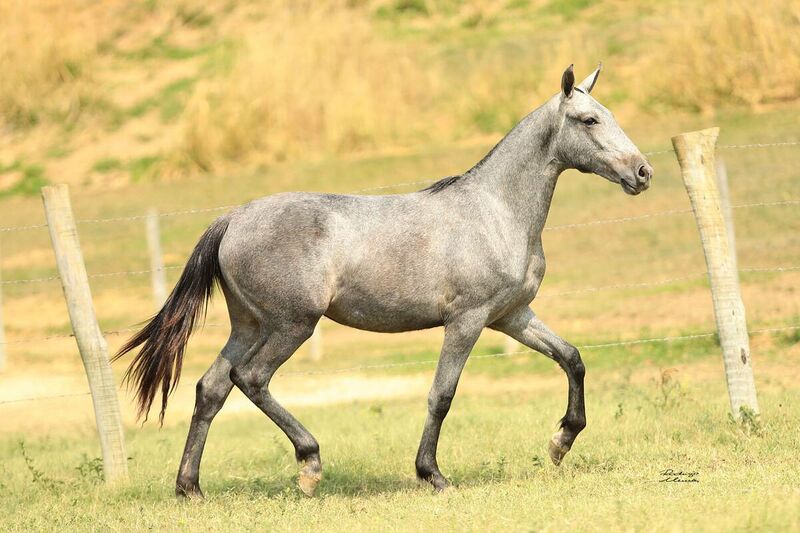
(590, 121)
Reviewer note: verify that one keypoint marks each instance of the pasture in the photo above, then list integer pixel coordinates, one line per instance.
(643, 420)
(650, 407)
(159, 105)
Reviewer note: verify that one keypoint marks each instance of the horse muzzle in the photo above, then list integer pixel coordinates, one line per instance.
(638, 180)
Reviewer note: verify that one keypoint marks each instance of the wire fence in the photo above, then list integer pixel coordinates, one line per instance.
(670, 212)
(428, 362)
(408, 184)
(591, 289)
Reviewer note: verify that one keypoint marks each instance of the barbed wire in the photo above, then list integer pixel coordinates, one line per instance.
(670, 212)
(733, 147)
(770, 269)
(39, 398)
(361, 368)
(619, 286)
(668, 281)
(106, 332)
(21, 228)
(100, 275)
(659, 283)
(357, 191)
(583, 290)
(757, 145)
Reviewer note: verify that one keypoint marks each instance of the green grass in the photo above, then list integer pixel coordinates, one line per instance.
(32, 179)
(492, 448)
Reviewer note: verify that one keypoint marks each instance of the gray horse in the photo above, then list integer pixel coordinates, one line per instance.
(465, 253)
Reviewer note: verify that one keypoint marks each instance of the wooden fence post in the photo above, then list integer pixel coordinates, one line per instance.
(2, 324)
(727, 212)
(91, 343)
(158, 276)
(695, 153)
(315, 344)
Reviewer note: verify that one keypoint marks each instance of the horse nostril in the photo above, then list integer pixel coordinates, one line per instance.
(642, 171)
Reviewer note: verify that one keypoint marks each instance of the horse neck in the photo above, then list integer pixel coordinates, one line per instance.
(521, 172)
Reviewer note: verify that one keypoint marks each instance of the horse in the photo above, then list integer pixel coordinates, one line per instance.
(464, 253)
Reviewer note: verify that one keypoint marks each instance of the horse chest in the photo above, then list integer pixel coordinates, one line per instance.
(533, 275)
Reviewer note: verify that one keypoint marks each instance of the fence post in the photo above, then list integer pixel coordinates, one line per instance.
(158, 276)
(695, 153)
(727, 212)
(315, 344)
(91, 343)
(2, 324)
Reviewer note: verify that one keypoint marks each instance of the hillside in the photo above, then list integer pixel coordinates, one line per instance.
(102, 95)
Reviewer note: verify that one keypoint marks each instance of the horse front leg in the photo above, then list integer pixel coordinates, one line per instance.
(459, 338)
(524, 326)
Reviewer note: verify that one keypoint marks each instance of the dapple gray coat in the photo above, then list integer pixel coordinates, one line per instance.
(465, 253)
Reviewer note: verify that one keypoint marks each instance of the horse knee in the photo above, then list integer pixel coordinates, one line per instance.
(247, 381)
(209, 396)
(439, 403)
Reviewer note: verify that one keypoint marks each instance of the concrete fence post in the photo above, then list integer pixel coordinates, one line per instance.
(91, 343)
(158, 276)
(695, 153)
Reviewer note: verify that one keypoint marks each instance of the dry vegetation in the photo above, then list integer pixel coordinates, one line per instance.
(740, 53)
(105, 94)
(306, 79)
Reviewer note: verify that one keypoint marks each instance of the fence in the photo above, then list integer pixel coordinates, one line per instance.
(719, 260)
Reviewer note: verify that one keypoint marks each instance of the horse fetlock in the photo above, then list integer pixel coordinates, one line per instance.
(430, 473)
(310, 476)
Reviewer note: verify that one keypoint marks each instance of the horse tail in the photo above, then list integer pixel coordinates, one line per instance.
(163, 339)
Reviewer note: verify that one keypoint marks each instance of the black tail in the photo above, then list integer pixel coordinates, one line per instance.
(164, 338)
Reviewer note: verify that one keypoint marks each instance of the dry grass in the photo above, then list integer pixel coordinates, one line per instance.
(48, 50)
(733, 52)
(106, 93)
(309, 78)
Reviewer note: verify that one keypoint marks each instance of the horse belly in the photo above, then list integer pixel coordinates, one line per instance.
(382, 312)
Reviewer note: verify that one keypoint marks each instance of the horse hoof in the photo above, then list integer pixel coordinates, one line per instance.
(189, 492)
(308, 480)
(556, 450)
(447, 490)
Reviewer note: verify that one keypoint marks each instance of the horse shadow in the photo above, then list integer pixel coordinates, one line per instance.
(335, 482)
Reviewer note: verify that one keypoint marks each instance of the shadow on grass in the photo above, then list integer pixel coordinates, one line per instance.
(335, 482)
(355, 483)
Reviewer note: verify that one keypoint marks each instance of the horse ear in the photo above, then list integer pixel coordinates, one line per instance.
(568, 82)
(588, 84)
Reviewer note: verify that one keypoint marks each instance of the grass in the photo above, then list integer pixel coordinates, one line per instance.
(408, 91)
(646, 251)
(492, 448)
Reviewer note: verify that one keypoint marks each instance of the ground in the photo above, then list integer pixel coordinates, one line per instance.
(651, 407)
(644, 421)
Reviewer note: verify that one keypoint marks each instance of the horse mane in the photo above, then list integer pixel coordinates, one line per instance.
(444, 183)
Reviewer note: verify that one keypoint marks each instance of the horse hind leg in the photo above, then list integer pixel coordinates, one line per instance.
(253, 378)
(210, 394)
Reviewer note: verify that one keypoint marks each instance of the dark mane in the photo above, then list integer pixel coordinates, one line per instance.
(442, 184)
(450, 180)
